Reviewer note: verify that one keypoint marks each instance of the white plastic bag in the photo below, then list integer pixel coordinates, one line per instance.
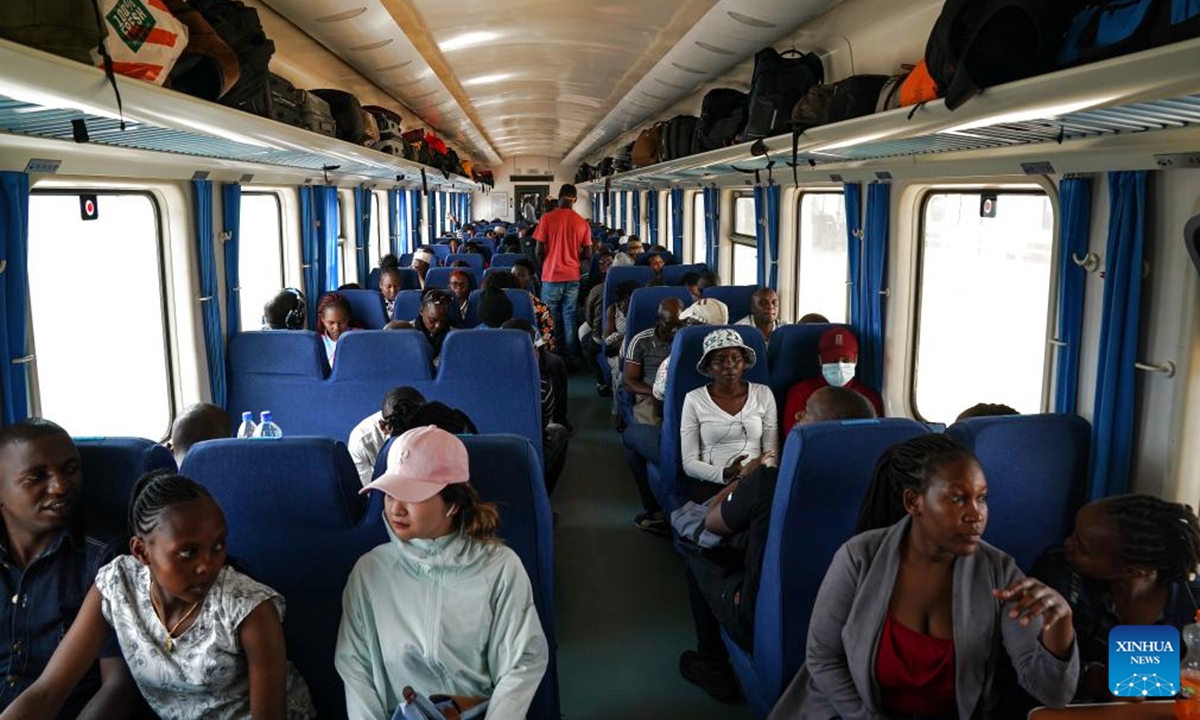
(144, 39)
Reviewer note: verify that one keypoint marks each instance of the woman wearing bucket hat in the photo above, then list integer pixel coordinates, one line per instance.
(444, 606)
(729, 427)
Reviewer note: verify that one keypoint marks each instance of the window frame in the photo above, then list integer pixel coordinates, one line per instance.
(919, 282)
(799, 261)
(699, 226)
(34, 379)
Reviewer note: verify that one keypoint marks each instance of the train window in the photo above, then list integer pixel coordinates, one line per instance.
(121, 251)
(745, 243)
(823, 258)
(260, 255)
(699, 230)
(667, 206)
(982, 309)
(379, 231)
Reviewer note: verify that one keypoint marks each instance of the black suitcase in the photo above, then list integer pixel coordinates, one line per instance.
(780, 80)
(347, 113)
(677, 137)
(722, 119)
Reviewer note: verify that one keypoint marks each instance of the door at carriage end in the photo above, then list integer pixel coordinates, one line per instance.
(531, 201)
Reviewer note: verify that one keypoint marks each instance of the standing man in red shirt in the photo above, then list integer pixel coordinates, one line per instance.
(561, 236)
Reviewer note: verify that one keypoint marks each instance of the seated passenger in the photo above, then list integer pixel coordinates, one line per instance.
(690, 281)
(656, 263)
(444, 606)
(422, 260)
(460, 288)
(838, 352)
(707, 280)
(915, 612)
(494, 308)
(231, 664)
(286, 311)
(633, 248)
(390, 282)
(643, 355)
(333, 315)
(986, 410)
(1131, 560)
(441, 415)
(434, 321)
(813, 319)
(764, 313)
(730, 426)
(613, 336)
(197, 423)
(556, 428)
(369, 435)
(590, 329)
(49, 558)
(349, 286)
(526, 276)
(507, 280)
(723, 581)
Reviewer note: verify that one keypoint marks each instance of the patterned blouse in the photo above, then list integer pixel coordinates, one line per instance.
(545, 321)
(205, 674)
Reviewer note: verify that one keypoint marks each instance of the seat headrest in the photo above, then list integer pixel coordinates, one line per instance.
(393, 355)
(295, 353)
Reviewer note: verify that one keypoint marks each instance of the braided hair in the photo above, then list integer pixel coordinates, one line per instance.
(906, 466)
(157, 491)
(1157, 534)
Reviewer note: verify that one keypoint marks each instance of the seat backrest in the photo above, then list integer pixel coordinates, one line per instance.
(673, 274)
(643, 308)
(506, 260)
(682, 378)
(366, 308)
(292, 505)
(473, 259)
(275, 370)
(393, 355)
(111, 467)
(1036, 468)
(620, 275)
(409, 279)
(405, 260)
(823, 476)
(793, 357)
(521, 302)
(373, 279)
(439, 277)
(441, 252)
(736, 297)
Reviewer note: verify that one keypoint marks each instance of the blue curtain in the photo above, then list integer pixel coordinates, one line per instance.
(760, 232)
(362, 229)
(772, 198)
(612, 210)
(1075, 220)
(637, 213)
(1116, 381)
(624, 224)
(14, 289)
(874, 274)
(677, 221)
(652, 202)
(214, 344)
(712, 225)
(328, 258)
(854, 250)
(595, 207)
(434, 234)
(395, 224)
(231, 220)
(414, 217)
(309, 251)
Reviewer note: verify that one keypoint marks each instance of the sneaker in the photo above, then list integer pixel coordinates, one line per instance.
(654, 523)
(713, 676)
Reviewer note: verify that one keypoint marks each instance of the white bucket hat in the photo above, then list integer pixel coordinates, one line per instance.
(719, 340)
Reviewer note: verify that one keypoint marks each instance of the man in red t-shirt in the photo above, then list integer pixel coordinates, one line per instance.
(838, 350)
(561, 236)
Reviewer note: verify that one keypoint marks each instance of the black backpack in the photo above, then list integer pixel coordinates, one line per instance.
(1110, 29)
(584, 173)
(606, 167)
(347, 113)
(239, 27)
(624, 161)
(780, 80)
(722, 118)
(853, 97)
(976, 44)
(677, 137)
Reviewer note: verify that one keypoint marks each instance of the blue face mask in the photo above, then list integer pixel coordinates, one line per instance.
(838, 374)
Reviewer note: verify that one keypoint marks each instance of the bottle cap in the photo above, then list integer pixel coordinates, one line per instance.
(266, 416)
(247, 416)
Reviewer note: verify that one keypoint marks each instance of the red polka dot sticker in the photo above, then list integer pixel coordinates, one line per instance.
(89, 208)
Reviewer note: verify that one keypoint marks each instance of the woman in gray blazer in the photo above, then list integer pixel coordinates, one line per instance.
(913, 614)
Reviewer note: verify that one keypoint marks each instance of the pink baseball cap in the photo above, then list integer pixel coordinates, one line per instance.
(420, 463)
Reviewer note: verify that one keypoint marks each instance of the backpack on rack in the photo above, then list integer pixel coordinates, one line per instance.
(606, 167)
(977, 44)
(388, 123)
(584, 173)
(468, 169)
(889, 94)
(208, 67)
(299, 108)
(67, 28)
(370, 128)
(677, 138)
(723, 114)
(433, 152)
(856, 96)
(780, 80)
(624, 162)
(1110, 29)
(347, 113)
(645, 148)
(239, 27)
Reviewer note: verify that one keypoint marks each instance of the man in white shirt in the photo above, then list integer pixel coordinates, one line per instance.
(368, 437)
(764, 313)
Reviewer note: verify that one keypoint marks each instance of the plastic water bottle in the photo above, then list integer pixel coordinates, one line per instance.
(267, 428)
(247, 429)
(1187, 704)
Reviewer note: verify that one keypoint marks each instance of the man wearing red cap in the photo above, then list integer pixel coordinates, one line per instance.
(838, 351)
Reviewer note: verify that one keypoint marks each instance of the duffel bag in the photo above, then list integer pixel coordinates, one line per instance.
(645, 148)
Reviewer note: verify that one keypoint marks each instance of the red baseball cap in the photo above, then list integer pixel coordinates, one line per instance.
(837, 343)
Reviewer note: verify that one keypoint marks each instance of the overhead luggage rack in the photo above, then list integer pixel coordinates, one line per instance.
(1154, 90)
(42, 96)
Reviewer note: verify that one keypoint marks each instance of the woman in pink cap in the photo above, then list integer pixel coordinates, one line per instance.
(444, 607)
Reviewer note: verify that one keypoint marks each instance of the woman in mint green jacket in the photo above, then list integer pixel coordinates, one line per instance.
(443, 607)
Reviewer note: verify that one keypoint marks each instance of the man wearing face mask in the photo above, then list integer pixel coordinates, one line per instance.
(838, 351)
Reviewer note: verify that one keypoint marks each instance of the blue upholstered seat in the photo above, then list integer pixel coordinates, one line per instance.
(1036, 468)
(367, 309)
(823, 475)
(521, 302)
(736, 297)
(502, 261)
(673, 274)
(111, 466)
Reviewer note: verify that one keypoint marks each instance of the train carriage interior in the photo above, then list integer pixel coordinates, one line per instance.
(876, 265)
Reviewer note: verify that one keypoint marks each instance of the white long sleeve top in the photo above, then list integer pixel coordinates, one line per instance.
(711, 438)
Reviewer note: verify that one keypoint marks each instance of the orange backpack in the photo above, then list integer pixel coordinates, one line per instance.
(918, 87)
